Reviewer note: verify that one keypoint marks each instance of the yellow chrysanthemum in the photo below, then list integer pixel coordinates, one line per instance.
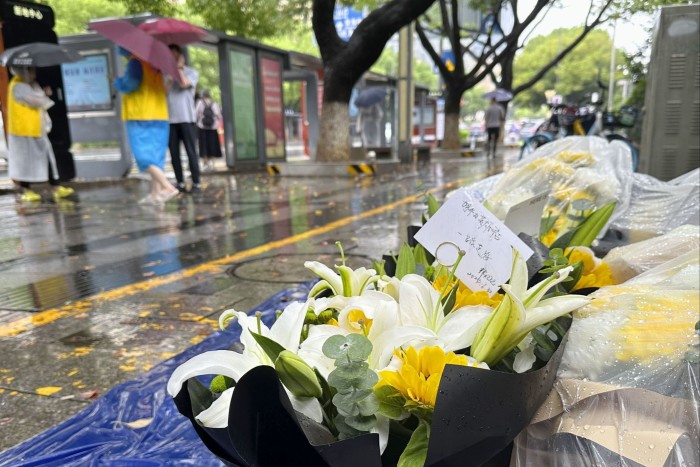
(465, 296)
(419, 377)
(661, 326)
(595, 272)
(578, 159)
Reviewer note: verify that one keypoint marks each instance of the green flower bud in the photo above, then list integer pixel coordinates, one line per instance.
(325, 316)
(310, 317)
(297, 375)
(221, 383)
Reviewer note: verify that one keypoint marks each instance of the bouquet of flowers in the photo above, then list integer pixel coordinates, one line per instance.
(409, 368)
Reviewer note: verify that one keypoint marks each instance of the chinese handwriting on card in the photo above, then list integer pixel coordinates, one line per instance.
(486, 241)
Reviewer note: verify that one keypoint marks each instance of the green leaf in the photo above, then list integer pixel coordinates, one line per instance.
(379, 267)
(546, 224)
(391, 401)
(448, 301)
(368, 380)
(433, 205)
(200, 396)
(335, 347)
(351, 370)
(359, 347)
(368, 406)
(575, 275)
(362, 423)
(406, 263)
(271, 348)
(417, 448)
(582, 204)
(339, 383)
(345, 430)
(591, 227)
(564, 240)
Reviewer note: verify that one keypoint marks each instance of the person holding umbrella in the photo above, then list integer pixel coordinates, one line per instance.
(495, 117)
(31, 158)
(145, 111)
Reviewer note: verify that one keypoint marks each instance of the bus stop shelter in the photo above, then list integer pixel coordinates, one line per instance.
(250, 79)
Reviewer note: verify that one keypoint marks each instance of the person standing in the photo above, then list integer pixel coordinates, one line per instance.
(495, 117)
(31, 158)
(208, 118)
(182, 120)
(145, 111)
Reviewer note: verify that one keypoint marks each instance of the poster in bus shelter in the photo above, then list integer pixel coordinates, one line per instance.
(273, 107)
(244, 109)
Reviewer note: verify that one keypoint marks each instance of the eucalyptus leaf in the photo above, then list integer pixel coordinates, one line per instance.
(335, 347)
(339, 383)
(359, 347)
(368, 405)
(361, 422)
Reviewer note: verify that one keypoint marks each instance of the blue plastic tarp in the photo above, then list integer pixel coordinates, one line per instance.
(100, 434)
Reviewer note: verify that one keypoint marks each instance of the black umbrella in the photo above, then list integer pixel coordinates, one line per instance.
(370, 96)
(38, 54)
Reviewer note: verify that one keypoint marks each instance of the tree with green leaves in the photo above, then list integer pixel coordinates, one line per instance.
(491, 51)
(575, 77)
(344, 63)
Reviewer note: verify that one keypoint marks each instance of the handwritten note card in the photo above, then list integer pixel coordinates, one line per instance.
(488, 243)
(525, 216)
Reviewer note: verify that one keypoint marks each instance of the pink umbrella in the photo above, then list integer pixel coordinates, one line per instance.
(138, 43)
(173, 31)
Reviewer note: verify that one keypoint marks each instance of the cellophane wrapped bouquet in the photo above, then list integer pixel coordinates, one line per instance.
(409, 368)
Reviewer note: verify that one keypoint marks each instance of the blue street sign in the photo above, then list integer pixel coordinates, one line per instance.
(346, 20)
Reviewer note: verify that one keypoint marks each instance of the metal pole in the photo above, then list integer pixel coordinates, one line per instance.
(405, 84)
(611, 83)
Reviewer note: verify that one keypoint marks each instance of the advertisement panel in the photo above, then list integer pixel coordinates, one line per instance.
(273, 106)
(86, 84)
(244, 109)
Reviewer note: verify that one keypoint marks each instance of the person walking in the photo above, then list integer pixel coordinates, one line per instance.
(208, 118)
(182, 120)
(31, 158)
(145, 111)
(495, 117)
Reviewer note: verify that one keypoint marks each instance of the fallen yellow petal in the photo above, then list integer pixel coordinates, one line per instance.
(48, 390)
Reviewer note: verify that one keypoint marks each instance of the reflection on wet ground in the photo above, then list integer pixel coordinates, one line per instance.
(97, 289)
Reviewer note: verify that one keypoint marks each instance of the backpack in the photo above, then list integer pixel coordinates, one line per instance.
(208, 117)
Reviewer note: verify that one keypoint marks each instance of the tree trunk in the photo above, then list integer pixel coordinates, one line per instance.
(334, 133)
(345, 62)
(453, 97)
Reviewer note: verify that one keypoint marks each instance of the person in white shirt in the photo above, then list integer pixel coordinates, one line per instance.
(182, 120)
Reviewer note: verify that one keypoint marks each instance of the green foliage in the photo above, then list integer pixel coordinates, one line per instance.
(575, 77)
(157, 7)
(270, 347)
(406, 263)
(388, 64)
(353, 381)
(299, 39)
(253, 19)
(72, 16)
(417, 449)
(206, 62)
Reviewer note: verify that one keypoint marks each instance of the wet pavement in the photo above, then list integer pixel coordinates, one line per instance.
(96, 290)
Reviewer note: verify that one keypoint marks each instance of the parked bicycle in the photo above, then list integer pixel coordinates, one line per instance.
(567, 120)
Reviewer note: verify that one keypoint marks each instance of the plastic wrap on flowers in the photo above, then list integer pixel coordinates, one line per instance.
(658, 207)
(628, 261)
(576, 169)
(264, 430)
(627, 392)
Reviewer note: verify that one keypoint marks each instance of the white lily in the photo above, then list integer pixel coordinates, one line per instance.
(521, 311)
(420, 305)
(348, 282)
(286, 331)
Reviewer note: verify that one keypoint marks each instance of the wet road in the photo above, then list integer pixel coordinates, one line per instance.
(95, 291)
